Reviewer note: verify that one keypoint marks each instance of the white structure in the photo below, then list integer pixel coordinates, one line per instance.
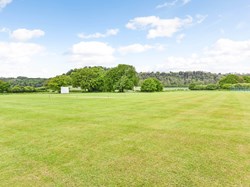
(64, 90)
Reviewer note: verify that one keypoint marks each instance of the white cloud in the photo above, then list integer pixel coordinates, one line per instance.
(139, 48)
(158, 27)
(167, 4)
(25, 34)
(173, 3)
(92, 53)
(180, 37)
(184, 2)
(110, 32)
(17, 58)
(4, 3)
(16, 52)
(224, 56)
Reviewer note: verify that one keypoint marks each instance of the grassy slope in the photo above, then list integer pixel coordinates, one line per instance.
(160, 139)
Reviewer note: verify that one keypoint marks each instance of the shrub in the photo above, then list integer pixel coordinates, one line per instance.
(4, 86)
(29, 89)
(200, 87)
(16, 89)
(192, 86)
(212, 87)
(151, 85)
(203, 87)
(41, 89)
(227, 86)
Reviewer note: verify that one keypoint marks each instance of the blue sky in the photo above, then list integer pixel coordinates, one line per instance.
(44, 38)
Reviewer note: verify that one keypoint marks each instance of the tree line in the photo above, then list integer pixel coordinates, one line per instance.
(182, 79)
(22, 84)
(124, 77)
(228, 82)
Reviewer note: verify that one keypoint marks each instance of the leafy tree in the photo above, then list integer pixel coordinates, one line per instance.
(90, 79)
(123, 77)
(159, 85)
(192, 86)
(16, 89)
(4, 86)
(29, 89)
(151, 85)
(246, 79)
(57, 82)
(231, 79)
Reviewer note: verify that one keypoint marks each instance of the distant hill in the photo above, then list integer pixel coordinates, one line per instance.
(184, 78)
(25, 81)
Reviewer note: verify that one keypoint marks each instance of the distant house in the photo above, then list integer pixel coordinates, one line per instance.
(64, 90)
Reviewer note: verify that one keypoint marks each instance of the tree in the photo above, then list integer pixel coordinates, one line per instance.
(192, 86)
(57, 82)
(123, 77)
(4, 86)
(231, 79)
(90, 79)
(159, 85)
(246, 79)
(29, 89)
(151, 85)
(16, 89)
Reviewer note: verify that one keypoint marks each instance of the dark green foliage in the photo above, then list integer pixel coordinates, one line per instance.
(123, 77)
(4, 86)
(16, 89)
(212, 87)
(25, 81)
(76, 91)
(246, 79)
(57, 82)
(182, 79)
(194, 86)
(41, 89)
(200, 87)
(151, 85)
(29, 89)
(90, 79)
(22, 89)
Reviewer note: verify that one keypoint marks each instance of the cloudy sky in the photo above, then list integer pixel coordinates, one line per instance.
(44, 38)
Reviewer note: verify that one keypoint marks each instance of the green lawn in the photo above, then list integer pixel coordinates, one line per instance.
(156, 139)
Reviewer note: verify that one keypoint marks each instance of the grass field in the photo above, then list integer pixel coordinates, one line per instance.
(156, 139)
